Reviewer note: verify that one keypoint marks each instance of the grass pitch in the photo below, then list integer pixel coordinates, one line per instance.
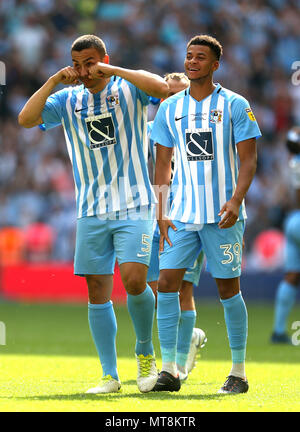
(49, 361)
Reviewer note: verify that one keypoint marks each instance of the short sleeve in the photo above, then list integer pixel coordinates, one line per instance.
(53, 110)
(244, 122)
(161, 133)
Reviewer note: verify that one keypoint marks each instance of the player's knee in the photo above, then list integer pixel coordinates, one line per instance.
(99, 291)
(166, 284)
(228, 287)
(134, 283)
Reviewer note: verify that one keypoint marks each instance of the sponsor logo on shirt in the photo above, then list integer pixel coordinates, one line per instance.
(199, 144)
(101, 131)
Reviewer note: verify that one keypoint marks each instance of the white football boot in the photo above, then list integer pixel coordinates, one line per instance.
(147, 372)
(107, 385)
(199, 339)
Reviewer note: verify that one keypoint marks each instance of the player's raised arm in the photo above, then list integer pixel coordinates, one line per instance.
(150, 83)
(31, 114)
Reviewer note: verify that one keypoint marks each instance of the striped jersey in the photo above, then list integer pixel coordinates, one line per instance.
(152, 149)
(106, 136)
(204, 135)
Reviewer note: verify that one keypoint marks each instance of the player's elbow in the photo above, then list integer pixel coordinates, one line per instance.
(24, 121)
(165, 89)
(161, 90)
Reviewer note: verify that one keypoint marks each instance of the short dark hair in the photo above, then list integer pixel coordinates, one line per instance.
(209, 41)
(89, 41)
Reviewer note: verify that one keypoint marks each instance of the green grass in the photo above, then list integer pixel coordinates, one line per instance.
(49, 360)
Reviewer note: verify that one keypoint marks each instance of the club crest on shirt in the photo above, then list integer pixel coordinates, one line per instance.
(113, 101)
(216, 116)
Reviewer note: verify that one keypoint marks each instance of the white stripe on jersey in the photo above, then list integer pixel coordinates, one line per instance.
(113, 166)
(194, 166)
(80, 196)
(136, 167)
(101, 206)
(90, 194)
(186, 188)
(126, 188)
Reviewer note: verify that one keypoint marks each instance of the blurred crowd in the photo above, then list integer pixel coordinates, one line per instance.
(260, 39)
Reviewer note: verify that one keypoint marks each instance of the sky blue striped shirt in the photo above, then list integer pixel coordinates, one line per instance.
(204, 135)
(106, 136)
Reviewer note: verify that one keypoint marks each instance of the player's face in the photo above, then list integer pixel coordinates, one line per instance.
(200, 62)
(176, 86)
(82, 61)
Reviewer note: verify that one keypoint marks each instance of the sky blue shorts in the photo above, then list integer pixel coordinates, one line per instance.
(192, 274)
(222, 247)
(100, 242)
(292, 245)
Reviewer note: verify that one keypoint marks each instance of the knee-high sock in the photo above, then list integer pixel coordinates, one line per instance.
(236, 319)
(103, 326)
(141, 309)
(185, 332)
(285, 300)
(168, 315)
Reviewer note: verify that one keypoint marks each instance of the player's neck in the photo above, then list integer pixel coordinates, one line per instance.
(99, 86)
(200, 89)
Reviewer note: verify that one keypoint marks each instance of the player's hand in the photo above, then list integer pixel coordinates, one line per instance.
(164, 225)
(66, 76)
(101, 70)
(230, 212)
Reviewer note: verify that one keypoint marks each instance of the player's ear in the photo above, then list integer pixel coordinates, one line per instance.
(216, 65)
(106, 59)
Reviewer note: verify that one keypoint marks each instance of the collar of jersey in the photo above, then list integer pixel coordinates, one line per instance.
(218, 87)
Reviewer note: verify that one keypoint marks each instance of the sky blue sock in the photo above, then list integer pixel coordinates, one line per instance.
(168, 315)
(236, 319)
(103, 326)
(141, 308)
(185, 332)
(284, 301)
